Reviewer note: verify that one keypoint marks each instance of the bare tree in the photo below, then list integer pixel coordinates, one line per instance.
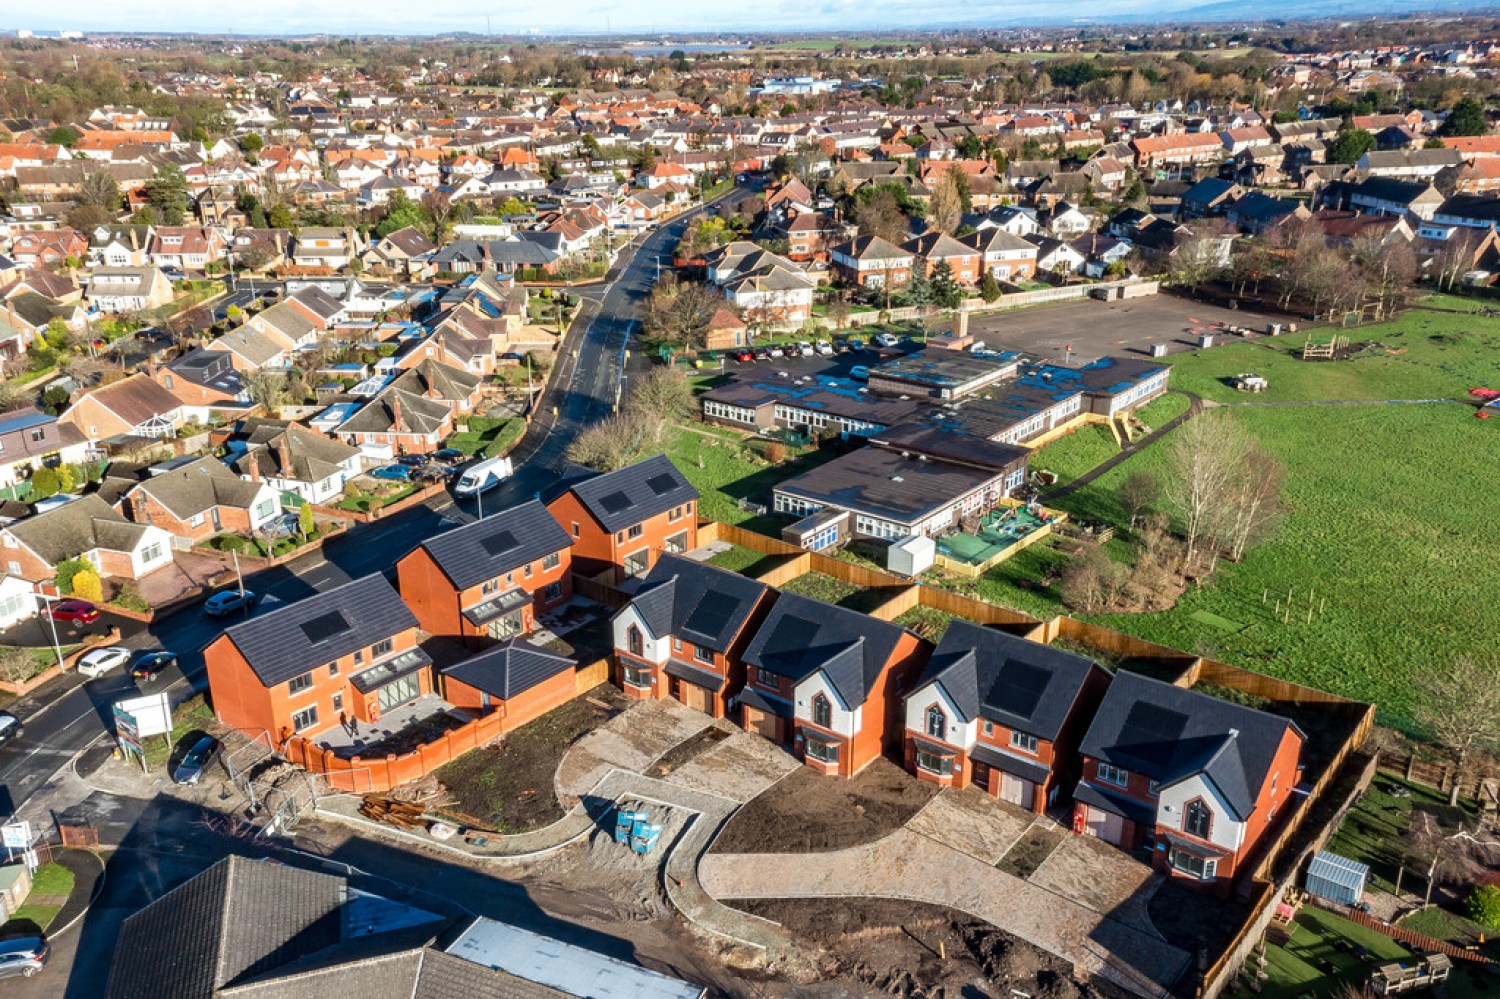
(881, 216)
(664, 393)
(678, 313)
(946, 207)
(1200, 256)
(1091, 581)
(1461, 708)
(1389, 268)
(1456, 257)
(439, 205)
(1138, 493)
(1252, 502)
(1205, 455)
(612, 443)
(16, 664)
(269, 390)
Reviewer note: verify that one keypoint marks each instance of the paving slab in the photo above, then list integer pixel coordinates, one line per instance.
(631, 740)
(739, 768)
(1097, 875)
(973, 822)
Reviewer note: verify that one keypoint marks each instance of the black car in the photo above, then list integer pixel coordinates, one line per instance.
(450, 456)
(10, 727)
(151, 664)
(203, 751)
(412, 460)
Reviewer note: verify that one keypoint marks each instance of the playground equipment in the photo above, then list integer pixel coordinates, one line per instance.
(1246, 382)
(1325, 350)
(636, 830)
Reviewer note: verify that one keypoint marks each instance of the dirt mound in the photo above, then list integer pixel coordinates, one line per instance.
(913, 949)
(631, 880)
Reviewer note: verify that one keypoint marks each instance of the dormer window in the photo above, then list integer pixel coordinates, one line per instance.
(822, 711)
(937, 723)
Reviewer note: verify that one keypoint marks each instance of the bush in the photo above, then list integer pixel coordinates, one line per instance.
(776, 452)
(1484, 905)
(230, 543)
(130, 598)
(67, 570)
(44, 483)
(88, 586)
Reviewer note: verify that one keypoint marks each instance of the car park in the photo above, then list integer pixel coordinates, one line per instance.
(777, 350)
(229, 601)
(101, 661)
(855, 343)
(76, 611)
(804, 348)
(200, 754)
(762, 354)
(392, 473)
(886, 340)
(22, 957)
(10, 727)
(841, 345)
(149, 665)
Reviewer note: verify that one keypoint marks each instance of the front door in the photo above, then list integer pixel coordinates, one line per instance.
(398, 692)
(979, 774)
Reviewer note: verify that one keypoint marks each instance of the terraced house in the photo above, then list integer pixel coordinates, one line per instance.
(1198, 781)
(683, 634)
(829, 680)
(1001, 713)
(300, 669)
(486, 581)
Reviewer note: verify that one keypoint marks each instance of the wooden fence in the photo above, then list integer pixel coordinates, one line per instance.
(1420, 941)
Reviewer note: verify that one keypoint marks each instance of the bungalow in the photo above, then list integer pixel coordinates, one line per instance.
(30, 439)
(128, 289)
(292, 459)
(872, 262)
(622, 521)
(348, 652)
(200, 498)
(1197, 780)
(682, 634)
(1002, 713)
(251, 348)
(134, 405)
(487, 580)
(829, 680)
(404, 421)
(515, 679)
(87, 528)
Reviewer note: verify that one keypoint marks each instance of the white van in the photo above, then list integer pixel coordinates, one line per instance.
(483, 476)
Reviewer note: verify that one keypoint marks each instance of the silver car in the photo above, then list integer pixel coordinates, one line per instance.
(22, 957)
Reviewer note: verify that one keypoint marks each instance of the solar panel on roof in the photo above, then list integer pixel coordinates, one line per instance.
(1019, 688)
(1151, 731)
(498, 543)
(710, 616)
(325, 626)
(661, 484)
(615, 502)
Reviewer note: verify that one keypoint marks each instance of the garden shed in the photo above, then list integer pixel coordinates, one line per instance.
(1337, 879)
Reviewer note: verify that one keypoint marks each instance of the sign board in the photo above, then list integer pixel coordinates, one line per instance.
(16, 835)
(126, 730)
(151, 714)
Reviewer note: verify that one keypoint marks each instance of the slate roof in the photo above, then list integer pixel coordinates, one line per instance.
(237, 919)
(291, 640)
(76, 527)
(313, 457)
(1169, 734)
(491, 547)
(510, 668)
(1003, 678)
(688, 599)
(634, 493)
(802, 636)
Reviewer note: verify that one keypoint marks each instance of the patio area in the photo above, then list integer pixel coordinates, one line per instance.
(400, 731)
(1001, 533)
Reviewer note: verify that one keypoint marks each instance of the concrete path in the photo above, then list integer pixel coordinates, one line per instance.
(1195, 406)
(910, 866)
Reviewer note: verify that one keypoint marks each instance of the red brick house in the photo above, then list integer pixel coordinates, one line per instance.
(1003, 713)
(48, 248)
(1198, 781)
(406, 422)
(828, 679)
(486, 581)
(86, 528)
(515, 679)
(202, 498)
(298, 670)
(622, 521)
(682, 635)
(872, 262)
(937, 247)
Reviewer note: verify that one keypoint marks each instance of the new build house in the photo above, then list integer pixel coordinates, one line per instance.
(829, 680)
(486, 581)
(517, 679)
(622, 521)
(302, 668)
(682, 634)
(1002, 713)
(1197, 780)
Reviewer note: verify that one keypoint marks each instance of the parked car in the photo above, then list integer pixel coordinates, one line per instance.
(804, 348)
(434, 473)
(149, 665)
(450, 456)
(887, 340)
(762, 354)
(392, 473)
(101, 661)
(791, 350)
(412, 460)
(10, 727)
(840, 345)
(855, 343)
(229, 601)
(22, 957)
(743, 356)
(777, 351)
(78, 611)
(285, 526)
(859, 373)
(824, 348)
(203, 752)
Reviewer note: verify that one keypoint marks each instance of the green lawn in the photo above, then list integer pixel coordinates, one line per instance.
(492, 437)
(1163, 409)
(929, 622)
(1294, 970)
(50, 887)
(1374, 830)
(740, 560)
(725, 468)
(1081, 451)
(836, 591)
(191, 715)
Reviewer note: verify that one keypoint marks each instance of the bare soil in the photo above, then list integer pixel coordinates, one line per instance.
(507, 786)
(687, 750)
(874, 946)
(806, 812)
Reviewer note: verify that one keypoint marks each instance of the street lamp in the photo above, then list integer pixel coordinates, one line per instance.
(56, 643)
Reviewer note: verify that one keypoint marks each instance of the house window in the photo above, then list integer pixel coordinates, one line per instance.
(1111, 774)
(305, 719)
(636, 563)
(766, 678)
(39, 435)
(934, 763)
(359, 656)
(575, 528)
(1203, 868)
(637, 677)
(989, 728)
(1154, 789)
(675, 515)
(299, 683)
(703, 655)
(551, 592)
(676, 544)
(526, 572)
(333, 668)
(636, 530)
(937, 723)
(196, 520)
(338, 702)
(1196, 819)
(822, 711)
(489, 587)
(551, 561)
(1025, 743)
(381, 648)
(151, 552)
(635, 642)
(676, 644)
(823, 752)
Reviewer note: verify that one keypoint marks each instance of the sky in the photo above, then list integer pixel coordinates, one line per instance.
(575, 16)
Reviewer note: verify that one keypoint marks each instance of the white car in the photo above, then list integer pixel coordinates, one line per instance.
(824, 347)
(805, 347)
(887, 340)
(776, 351)
(101, 661)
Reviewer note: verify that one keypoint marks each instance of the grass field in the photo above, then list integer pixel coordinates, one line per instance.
(726, 469)
(1071, 456)
(1294, 969)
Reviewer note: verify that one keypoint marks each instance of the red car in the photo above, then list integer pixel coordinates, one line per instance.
(745, 356)
(80, 611)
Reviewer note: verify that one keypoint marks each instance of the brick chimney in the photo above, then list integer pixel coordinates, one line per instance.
(284, 456)
(395, 410)
(254, 467)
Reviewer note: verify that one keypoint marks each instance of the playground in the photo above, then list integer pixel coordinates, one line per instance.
(998, 535)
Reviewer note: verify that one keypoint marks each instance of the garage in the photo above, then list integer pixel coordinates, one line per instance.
(1017, 791)
(1105, 825)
